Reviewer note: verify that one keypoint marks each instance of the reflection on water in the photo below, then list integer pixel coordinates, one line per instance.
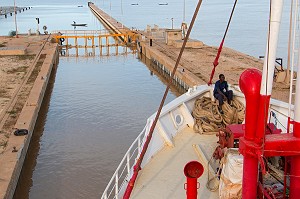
(98, 106)
(100, 103)
(96, 51)
(163, 77)
(25, 180)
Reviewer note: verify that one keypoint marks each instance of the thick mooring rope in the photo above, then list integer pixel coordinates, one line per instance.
(208, 119)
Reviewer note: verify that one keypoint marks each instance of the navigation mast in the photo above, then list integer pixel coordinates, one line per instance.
(16, 18)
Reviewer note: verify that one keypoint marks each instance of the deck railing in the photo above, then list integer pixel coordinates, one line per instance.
(124, 170)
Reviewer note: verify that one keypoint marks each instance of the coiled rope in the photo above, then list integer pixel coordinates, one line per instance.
(208, 119)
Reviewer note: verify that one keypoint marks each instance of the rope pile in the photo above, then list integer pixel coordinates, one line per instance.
(209, 119)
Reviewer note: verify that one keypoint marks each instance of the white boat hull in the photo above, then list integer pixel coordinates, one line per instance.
(169, 150)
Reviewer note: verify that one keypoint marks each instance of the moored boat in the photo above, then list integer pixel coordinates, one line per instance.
(253, 134)
(78, 24)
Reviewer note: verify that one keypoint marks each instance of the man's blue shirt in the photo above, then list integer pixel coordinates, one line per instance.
(222, 86)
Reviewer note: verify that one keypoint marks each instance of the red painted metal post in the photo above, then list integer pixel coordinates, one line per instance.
(192, 170)
(295, 168)
(249, 83)
(191, 188)
(262, 118)
(295, 161)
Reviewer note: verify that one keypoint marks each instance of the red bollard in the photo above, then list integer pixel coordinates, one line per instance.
(192, 170)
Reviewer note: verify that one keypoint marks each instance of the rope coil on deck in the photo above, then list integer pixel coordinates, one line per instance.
(208, 118)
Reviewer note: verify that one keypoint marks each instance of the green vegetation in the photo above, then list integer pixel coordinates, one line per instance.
(25, 57)
(12, 33)
(12, 112)
(17, 70)
(37, 69)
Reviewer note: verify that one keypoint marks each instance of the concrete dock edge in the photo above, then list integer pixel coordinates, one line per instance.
(27, 120)
(183, 77)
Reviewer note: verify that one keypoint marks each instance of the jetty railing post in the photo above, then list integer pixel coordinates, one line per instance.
(117, 186)
(139, 145)
(99, 40)
(94, 51)
(115, 44)
(128, 164)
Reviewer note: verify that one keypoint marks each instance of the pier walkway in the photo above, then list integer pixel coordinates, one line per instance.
(94, 42)
(110, 23)
(197, 60)
(93, 38)
(9, 10)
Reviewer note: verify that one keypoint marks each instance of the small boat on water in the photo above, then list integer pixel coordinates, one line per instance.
(134, 4)
(254, 155)
(78, 24)
(163, 4)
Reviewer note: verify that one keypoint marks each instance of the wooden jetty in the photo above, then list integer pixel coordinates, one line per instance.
(9, 10)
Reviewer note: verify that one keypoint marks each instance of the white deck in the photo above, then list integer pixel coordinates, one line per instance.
(163, 176)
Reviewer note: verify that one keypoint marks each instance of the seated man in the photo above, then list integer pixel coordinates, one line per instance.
(222, 93)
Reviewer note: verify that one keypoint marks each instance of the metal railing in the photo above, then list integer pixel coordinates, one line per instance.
(123, 172)
(81, 32)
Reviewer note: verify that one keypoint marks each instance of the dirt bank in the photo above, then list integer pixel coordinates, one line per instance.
(232, 63)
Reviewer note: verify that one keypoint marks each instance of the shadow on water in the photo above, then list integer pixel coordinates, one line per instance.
(175, 88)
(25, 180)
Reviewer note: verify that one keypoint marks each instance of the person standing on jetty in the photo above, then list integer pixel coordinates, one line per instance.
(222, 93)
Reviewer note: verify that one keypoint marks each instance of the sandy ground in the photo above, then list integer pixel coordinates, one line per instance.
(16, 80)
(231, 63)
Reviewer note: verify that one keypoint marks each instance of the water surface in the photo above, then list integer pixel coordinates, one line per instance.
(97, 105)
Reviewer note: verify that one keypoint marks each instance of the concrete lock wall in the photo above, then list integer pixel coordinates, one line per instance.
(27, 120)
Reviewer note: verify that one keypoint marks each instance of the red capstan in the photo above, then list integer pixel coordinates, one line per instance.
(192, 170)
